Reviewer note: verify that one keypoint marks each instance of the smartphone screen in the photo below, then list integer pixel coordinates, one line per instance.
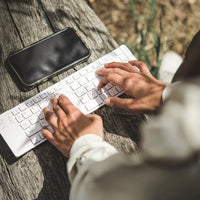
(48, 56)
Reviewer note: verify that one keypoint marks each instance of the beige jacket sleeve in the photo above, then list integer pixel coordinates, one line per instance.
(85, 148)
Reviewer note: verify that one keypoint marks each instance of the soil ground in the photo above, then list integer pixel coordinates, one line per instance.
(175, 23)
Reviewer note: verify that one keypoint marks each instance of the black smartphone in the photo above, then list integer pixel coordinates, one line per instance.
(47, 57)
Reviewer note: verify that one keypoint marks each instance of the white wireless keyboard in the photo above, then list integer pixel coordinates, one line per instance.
(20, 127)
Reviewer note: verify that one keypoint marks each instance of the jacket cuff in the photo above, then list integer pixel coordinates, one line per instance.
(87, 147)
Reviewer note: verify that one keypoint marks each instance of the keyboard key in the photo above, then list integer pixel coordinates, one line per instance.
(95, 82)
(113, 92)
(22, 106)
(44, 95)
(34, 119)
(44, 104)
(92, 94)
(19, 118)
(29, 102)
(83, 72)
(57, 87)
(105, 95)
(36, 99)
(50, 91)
(108, 86)
(25, 124)
(99, 91)
(15, 111)
(44, 123)
(89, 68)
(117, 52)
(26, 114)
(90, 76)
(76, 76)
(118, 89)
(109, 58)
(89, 86)
(50, 96)
(35, 109)
(33, 129)
(74, 85)
(35, 139)
(40, 115)
(58, 93)
(69, 79)
(41, 135)
(85, 98)
(82, 81)
(116, 59)
(81, 91)
(101, 61)
(123, 58)
(94, 103)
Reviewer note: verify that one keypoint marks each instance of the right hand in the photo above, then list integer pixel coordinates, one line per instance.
(144, 90)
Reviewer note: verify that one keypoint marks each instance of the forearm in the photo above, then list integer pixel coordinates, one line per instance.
(85, 148)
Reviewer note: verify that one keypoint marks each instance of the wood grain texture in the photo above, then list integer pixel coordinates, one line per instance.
(43, 170)
(41, 173)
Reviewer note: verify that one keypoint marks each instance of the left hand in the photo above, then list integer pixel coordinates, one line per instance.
(69, 123)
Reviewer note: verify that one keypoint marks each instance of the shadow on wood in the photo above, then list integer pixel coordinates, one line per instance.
(54, 173)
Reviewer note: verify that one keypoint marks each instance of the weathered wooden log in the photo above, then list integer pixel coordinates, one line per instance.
(41, 173)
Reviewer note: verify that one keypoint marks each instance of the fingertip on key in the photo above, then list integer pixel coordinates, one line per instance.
(98, 71)
(108, 102)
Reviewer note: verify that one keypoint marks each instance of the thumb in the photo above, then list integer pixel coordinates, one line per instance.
(125, 103)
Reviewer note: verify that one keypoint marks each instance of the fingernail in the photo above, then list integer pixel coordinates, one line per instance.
(52, 98)
(61, 96)
(98, 71)
(106, 65)
(108, 102)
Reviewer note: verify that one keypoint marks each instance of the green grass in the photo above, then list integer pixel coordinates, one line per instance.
(146, 33)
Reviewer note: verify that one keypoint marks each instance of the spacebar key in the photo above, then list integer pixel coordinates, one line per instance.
(94, 103)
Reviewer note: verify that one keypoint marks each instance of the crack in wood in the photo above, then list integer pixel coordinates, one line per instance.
(18, 32)
(48, 19)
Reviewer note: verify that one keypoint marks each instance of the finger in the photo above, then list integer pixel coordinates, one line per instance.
(141, 66)
(47, 134)
(105, 71)
(102, 82)
(66, 104)
(56, 141)
(57, 109)
(125, 66)
(126, 103)
(112, 78)
(51, 119)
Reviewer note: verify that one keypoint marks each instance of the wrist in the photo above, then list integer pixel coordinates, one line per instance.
(154, 99)
(158, 95)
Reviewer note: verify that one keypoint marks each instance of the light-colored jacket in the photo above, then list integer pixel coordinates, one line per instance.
(167, 168)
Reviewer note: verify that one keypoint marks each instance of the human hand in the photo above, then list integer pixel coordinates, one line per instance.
(145, 91)
(69, 124)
